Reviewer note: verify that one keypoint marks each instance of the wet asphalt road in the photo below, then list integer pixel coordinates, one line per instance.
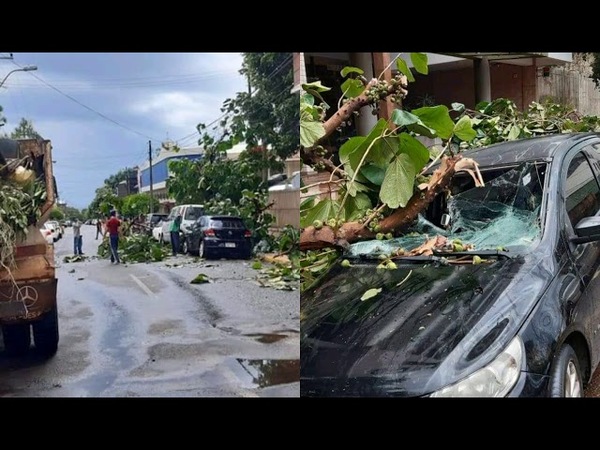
(142, 330)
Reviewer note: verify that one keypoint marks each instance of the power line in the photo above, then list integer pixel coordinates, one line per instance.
(89, 108)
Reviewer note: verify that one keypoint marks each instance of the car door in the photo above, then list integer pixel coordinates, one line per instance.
(166, 234)
(581, 194)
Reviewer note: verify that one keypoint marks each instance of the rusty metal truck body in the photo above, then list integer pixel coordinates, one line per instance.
(28, 306)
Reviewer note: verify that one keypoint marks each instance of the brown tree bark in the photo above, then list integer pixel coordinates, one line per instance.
(315, 239)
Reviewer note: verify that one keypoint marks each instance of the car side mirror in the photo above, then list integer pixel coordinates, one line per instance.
(587, 230)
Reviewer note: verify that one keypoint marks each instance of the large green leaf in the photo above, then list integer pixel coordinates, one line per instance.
(310, 133)
(464, 129)
(349, 147)
(403, 118)
(354, 187)
(437, 118)
(356, 206)
(419, 154)
(352, 88)
(315, 86)
(419, 60)
(353, 150)
(397, 187)
(373, 173)
(322, 211)
(403, 68)
(349, 69)
(383, 151)
(514, 132)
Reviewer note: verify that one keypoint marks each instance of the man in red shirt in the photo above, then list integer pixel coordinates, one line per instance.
(112, 228)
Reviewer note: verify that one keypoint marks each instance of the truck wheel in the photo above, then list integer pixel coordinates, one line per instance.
(45, 333)
(17, 338)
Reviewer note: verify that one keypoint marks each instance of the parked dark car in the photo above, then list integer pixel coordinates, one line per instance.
(218, 236)
(517, 315)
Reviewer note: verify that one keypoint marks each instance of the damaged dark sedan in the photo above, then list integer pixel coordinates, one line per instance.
(512, 311)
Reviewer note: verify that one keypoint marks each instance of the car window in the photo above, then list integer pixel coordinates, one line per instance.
(226, 223)
(582, 191)
(192, 213)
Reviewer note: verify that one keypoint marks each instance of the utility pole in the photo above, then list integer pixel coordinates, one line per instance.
(151, 181)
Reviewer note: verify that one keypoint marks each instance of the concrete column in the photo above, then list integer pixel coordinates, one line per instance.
(366, 121)
(299, 72)
(483, 84)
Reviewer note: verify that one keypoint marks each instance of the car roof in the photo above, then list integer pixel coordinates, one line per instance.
(221, 217)
(521, 150)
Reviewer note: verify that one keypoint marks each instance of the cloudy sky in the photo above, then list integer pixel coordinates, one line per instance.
(101, 109)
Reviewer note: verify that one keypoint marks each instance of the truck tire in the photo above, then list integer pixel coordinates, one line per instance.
(17, 338)
(45, 333)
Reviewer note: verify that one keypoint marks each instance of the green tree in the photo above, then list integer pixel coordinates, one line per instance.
(25, 130)
(136, 204)
(56, 214)
(122, 175)
(200, 181)
(266, 117)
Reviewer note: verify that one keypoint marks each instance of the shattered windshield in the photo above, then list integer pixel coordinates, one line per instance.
(502, 215)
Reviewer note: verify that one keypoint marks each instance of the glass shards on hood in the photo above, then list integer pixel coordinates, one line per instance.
(503, 214)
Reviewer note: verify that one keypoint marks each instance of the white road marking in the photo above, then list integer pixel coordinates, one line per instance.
(145, 288)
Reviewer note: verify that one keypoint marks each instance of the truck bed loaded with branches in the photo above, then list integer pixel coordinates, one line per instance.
(27, 269)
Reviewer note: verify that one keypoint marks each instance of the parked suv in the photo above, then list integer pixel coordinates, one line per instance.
(189, 214)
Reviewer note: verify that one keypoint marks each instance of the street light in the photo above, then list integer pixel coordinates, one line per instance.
(22, 69)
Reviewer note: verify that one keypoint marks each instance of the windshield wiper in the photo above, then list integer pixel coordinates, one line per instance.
(481, 253)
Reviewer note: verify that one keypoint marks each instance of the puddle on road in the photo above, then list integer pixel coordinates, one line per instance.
(267, 338)
(269, 372)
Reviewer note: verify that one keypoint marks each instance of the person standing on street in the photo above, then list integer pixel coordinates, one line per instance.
(174, 230)
(77, 238)
(112, 228)
(98, 228)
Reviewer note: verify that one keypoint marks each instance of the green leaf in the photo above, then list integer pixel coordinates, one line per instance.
(403, 118)
(315, 86)
(308, 99)
(383, 151)
(322, 211)
(437, 118)
(373, 173)
(352, 88)
(397, 186)
(310, 133)
(514, 133)
(354, 187)
(370, 294)
(403, 68)
(464, 130)
(307, 204)
(419, 60)
(353, 150)
(200, 278)
(419, 154)
(349, 69)
(356, 206)
(349, 147)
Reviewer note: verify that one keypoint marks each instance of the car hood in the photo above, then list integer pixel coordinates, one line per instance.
(428, 327)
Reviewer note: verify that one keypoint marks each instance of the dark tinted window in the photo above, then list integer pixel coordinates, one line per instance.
(582, 191)
(226, 223)
(192, 213)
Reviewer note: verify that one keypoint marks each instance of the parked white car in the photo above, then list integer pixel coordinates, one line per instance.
(48, 234)
(189, 215)
(53, 231)
(156, 231)
(57, 228)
